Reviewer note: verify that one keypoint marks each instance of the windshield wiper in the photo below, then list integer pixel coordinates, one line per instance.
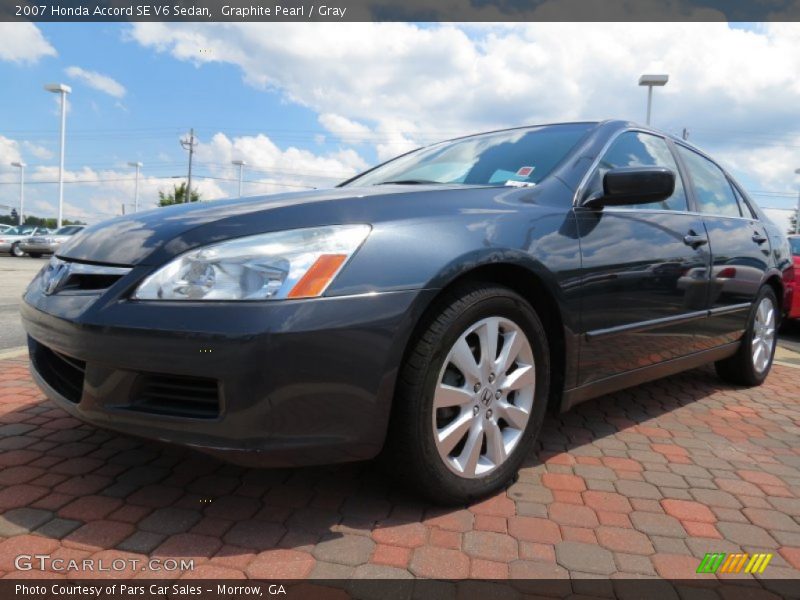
(408, 182)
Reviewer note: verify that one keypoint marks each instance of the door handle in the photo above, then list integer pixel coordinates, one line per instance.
(695, 241)
(758, 238)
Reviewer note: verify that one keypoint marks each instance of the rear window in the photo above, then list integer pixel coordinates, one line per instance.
(520, 156)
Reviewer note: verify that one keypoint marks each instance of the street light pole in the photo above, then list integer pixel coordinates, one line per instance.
(649, 81)
(137, 165)
(63, 90)
(21, 166)
(241, 164)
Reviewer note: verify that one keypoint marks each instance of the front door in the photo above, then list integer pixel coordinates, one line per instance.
(645, 271)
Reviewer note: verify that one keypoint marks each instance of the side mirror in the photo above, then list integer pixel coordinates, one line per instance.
(634, 185)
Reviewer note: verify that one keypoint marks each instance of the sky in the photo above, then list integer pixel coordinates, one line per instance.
(310, 104)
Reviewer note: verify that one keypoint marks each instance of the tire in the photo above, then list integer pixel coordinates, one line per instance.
(753, 360)
(17, 251)
(35, 254)
(417, 442)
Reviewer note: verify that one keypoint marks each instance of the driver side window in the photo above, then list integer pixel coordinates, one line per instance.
(637, 149)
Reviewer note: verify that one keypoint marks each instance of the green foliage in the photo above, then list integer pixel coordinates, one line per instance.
(177, 196)
(50, 223)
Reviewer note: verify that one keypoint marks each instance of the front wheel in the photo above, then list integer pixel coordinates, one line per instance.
(472, 395)
(17, 251)
(35, 254)
(753, 360)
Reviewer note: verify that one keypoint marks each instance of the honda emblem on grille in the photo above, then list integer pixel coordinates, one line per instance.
(54, 276)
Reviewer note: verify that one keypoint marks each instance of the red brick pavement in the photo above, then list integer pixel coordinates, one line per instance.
(635, 484)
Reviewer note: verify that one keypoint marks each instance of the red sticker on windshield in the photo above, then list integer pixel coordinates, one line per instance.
(525, 171)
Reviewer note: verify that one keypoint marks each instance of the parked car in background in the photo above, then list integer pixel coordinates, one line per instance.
(435, 306)
(11, 239)
(48, 243)
(793, 284)
(4, 227)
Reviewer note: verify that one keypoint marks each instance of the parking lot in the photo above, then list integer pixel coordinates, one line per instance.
(641, 483)
(15, 273)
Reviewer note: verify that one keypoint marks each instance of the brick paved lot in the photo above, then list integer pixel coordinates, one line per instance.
(639, 483)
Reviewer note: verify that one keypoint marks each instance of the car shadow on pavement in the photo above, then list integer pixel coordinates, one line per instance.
(74, 491)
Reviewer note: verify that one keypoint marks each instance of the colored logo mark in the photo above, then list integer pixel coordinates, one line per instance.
(720, 562)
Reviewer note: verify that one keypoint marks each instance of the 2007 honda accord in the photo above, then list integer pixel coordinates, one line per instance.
(435, 306)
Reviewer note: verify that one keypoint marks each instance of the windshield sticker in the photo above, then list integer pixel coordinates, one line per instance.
(525, 171)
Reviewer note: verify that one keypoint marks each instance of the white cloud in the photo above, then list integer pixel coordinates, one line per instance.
(344, 128)
(37, 151)
(269, 164)
(23, 43)
(97, 81)
(402, 85)
(9, 152)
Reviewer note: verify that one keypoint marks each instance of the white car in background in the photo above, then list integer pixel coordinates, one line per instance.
(39, 244)
(11, 238)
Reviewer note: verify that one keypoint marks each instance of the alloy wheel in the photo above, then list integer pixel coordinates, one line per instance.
(763, 335)
(483, 397)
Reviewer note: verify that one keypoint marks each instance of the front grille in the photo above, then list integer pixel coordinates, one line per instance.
(176, 396)
(65, 276)
(83, 281)
(62, 373)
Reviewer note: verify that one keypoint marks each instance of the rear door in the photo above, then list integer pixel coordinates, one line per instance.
(739, 248)
(645, 270)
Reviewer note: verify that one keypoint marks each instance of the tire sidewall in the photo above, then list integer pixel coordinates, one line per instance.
(747, 344)
(502, 303)
(16, 252)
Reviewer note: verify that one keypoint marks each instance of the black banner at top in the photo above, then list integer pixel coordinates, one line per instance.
(210, 11)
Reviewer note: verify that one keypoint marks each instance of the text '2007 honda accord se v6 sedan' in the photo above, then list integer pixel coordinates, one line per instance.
(435, 306)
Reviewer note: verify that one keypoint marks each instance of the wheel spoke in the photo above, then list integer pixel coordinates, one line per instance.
(514, 415)
(487, 334)
(495, 445)
(464, 361)
(512, 344)
(468, 459)
(447, 395)
(453, 433)
(519, 378)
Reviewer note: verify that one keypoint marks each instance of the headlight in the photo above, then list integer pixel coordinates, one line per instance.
(287, 264)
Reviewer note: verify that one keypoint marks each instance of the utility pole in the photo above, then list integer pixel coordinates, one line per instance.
(137, 165)
(21, 166)
(241, 164)
(685, 135)
(189, 145)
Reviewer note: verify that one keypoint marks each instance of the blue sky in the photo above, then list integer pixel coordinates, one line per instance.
(310, 104)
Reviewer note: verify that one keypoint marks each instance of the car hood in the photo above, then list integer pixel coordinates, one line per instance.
(153, 236)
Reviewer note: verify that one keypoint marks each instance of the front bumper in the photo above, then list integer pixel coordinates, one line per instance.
(296, 382)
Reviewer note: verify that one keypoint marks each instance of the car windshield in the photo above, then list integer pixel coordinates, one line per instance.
(795, 243)
(22, 230)
(516, 157)
(68, 230)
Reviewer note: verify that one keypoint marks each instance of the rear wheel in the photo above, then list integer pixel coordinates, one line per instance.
(17, 251)
(753, 360)
(35, 254)
(472, 395)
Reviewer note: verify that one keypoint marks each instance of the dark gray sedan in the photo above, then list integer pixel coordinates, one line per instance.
(433, 307)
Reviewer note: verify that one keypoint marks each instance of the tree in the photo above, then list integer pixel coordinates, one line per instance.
(177, 196)
(14, 216)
